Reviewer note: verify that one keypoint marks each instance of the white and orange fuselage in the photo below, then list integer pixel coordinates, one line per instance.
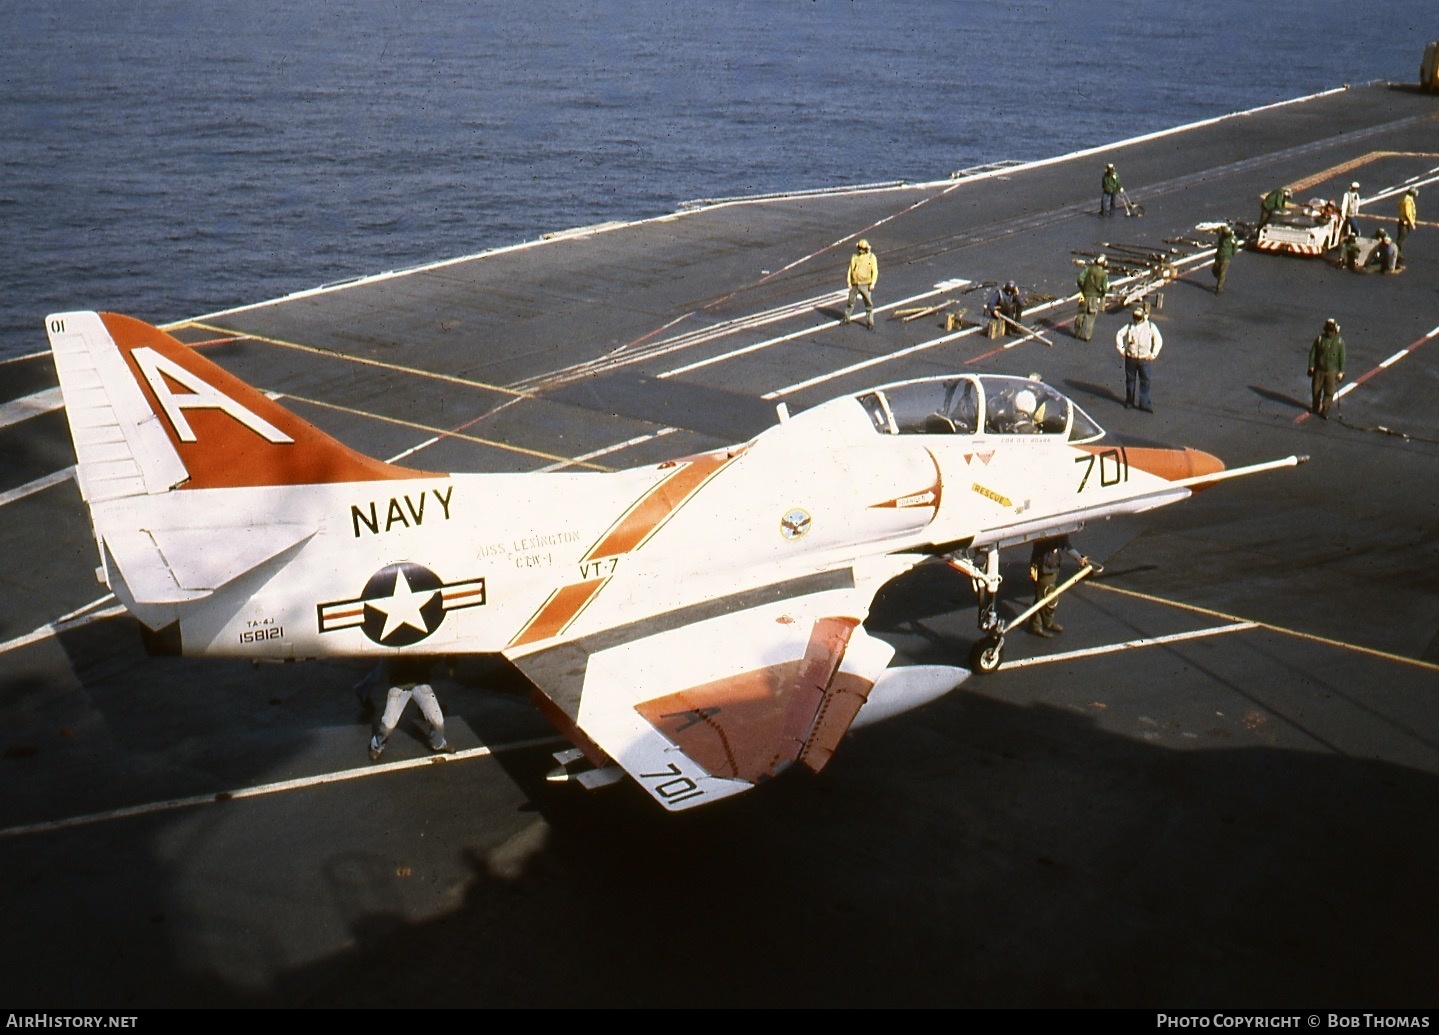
(698, 621)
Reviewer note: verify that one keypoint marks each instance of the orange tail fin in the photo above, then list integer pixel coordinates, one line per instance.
(148, 414)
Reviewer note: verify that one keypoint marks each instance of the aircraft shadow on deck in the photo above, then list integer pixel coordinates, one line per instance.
(1083, 868)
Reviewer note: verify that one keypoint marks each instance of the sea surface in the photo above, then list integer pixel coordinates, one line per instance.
(171, 159)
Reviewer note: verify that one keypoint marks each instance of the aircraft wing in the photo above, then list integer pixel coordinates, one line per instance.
(707, 701)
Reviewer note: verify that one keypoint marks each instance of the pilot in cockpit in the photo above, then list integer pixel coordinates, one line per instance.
(1018, 412)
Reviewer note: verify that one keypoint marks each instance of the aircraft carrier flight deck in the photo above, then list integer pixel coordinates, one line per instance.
(1217, 787)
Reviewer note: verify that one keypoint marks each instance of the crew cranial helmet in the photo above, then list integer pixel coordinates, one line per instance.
(1102, 261)
(1139, 312)
(863, 246)
(1025, 401)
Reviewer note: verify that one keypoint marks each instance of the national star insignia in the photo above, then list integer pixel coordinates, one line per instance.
(401, 604)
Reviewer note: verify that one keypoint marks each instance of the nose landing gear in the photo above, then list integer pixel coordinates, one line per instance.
(987, 653)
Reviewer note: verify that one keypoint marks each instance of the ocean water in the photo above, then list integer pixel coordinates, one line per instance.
(169, 159)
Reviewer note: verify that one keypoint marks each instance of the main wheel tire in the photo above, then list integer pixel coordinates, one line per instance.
(985, 656)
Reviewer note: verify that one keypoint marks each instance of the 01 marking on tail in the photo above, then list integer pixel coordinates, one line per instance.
(698, 624)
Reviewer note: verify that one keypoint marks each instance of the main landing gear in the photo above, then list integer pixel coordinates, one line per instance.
(988, 651)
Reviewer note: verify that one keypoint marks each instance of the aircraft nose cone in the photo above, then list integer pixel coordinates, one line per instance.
(1171, 463)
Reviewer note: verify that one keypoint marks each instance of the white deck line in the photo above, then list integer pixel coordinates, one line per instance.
(1149, 641)
(260, 790)
(38, 485)
(815, 328)
(16, 410)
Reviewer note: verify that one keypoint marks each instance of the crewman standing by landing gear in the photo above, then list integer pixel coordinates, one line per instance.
(1045, 561)
(1093, 286)
(863, 275)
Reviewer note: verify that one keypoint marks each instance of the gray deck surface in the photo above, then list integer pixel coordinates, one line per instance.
(1240, 818)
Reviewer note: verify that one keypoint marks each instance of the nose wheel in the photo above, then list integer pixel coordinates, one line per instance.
(987, 654)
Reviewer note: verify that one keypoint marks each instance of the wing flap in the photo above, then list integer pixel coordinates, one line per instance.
(702, 710)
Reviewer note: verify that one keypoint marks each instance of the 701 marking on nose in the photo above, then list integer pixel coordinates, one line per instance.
(1113, 467)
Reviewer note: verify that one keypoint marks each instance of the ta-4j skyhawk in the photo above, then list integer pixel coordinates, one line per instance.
(697, 624)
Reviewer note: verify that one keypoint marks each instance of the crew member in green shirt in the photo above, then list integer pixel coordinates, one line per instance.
(1326, 367)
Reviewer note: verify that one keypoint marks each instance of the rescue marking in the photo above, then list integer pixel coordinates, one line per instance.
(1003, 501)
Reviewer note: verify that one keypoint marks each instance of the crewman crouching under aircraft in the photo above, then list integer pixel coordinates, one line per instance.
(1045, 561)
(408, 677)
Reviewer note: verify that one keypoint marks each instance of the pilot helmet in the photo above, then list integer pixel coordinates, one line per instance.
(1025, 401)
(863, 246)
(1010, 285)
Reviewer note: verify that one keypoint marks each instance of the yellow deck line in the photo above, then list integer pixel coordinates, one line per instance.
(1312, 637)
(313, 350)
(441, 432)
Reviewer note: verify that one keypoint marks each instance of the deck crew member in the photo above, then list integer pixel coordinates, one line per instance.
(408, 677)
(1274, 203)
(1139, 343)
(863, 275)
(1408, 218)
(1326, 368)
(1045, 561)
(1223, 252)
(1093, 286)
(1385, 256)
(1349, 208)
(1349, 251)
(1109, 188)
(1005, 302)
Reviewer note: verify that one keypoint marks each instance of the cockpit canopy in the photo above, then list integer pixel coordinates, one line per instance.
(972, 404)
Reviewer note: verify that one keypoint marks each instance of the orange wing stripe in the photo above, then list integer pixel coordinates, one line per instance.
(559, 611)
(654, 508)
